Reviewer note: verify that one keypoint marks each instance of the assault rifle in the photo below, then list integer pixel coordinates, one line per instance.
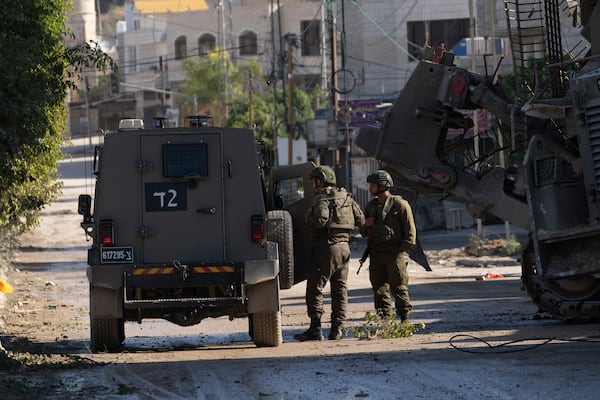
(362, 260)
(416, 254)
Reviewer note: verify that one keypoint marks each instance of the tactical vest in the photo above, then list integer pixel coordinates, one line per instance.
(387, 230)
(341, 215)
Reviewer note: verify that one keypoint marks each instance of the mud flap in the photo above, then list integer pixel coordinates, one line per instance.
(263, 297)
(105, 303)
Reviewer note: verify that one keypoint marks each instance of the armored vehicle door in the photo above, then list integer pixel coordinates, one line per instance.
(181, 197)
(293, 191)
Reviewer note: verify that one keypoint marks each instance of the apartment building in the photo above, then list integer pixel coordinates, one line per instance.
(154, 41)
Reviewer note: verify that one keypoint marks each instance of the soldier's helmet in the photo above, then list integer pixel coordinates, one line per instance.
(325, 173)
(381, 177)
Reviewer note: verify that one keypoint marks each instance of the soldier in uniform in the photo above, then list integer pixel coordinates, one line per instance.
(332, 217)
(391, 233)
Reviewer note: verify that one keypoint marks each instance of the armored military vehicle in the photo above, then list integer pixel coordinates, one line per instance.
(189, 223)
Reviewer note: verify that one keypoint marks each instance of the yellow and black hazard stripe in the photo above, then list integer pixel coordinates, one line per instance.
(171, 270)
(214, 268)
(153, 271)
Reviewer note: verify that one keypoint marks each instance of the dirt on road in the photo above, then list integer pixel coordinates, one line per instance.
(482, 337)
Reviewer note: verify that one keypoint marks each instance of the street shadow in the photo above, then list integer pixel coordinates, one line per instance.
(569, 337)
(37, 249)
(50, 266)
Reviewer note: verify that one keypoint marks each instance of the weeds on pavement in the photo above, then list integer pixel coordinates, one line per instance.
(388, 327)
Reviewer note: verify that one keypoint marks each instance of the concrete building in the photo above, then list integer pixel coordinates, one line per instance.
(154, 41)
(82, 22)
(385, 37)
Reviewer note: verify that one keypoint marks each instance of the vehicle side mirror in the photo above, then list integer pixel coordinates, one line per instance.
(84, 207)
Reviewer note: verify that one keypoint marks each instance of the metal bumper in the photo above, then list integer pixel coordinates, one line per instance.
(251, 272)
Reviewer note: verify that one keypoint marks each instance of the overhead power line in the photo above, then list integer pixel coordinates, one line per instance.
(378, 25)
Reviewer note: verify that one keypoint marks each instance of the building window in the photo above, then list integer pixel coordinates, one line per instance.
(311, 38)
(439, 33)
(248, 46)
(206, 44)
(180, 48)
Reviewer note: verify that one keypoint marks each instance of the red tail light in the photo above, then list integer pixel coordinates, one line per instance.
(107, 233)
(257, 223)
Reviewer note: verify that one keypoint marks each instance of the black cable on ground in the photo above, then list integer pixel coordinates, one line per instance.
(501, 348)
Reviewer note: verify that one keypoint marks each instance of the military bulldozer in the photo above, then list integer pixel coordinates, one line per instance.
(552, 185)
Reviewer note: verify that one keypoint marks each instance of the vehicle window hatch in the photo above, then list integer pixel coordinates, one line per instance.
(185, 160)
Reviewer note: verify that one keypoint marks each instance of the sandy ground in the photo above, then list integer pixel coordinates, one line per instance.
(480, 341)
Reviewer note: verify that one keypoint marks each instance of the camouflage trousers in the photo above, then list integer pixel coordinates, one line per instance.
(329, 264)
(389, 276)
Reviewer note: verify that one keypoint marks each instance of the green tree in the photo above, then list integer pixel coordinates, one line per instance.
(206, 79)
(215, 81)
(37, 69)
(262, 104)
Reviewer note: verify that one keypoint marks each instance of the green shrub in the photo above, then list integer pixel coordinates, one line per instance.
(376, 326)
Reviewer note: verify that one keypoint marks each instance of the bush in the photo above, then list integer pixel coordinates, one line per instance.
(481, 245)
(388, 327)
(37, 69)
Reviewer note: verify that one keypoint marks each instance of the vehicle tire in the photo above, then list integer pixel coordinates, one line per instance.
(107, 334)
(266, 329)
(280, 232)
(550, 295)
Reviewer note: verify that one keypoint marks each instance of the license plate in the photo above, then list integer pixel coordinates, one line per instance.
(116, 255)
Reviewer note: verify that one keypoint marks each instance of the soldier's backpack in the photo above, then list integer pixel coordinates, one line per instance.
(341, 215)
(383, 232)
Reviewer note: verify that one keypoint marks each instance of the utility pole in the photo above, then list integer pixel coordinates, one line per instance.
(475, 112)
(280, 70)
(223, 75)
(333, 89)
(323, 47)
(162, 79)
(492, 13)
(273, 82)
(291, 43)
(347, 107)
(250, 102)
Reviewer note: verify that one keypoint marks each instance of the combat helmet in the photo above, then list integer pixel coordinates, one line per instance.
(325, 173)
(382, 178)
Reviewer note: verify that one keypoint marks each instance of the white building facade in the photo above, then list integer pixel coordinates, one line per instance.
(153, 46)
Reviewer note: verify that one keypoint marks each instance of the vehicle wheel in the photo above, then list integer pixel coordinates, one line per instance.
(107, 334)
(549, 295)
(280, 231)
(266, 329)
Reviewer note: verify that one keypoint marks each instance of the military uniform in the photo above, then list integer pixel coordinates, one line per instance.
(332, 217)
(391, 237)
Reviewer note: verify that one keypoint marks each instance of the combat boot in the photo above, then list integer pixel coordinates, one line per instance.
(314, 332)
(336, 333)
